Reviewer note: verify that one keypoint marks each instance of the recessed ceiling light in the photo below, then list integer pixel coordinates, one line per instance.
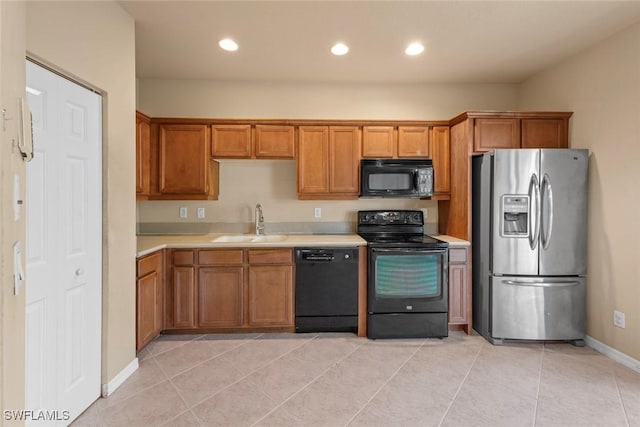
(228, 44)
(414, 49)
(339, 49)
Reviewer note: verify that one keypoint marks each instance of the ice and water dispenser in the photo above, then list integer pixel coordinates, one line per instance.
(515, 215)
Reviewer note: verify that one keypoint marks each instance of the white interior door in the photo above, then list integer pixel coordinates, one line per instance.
(64, 246)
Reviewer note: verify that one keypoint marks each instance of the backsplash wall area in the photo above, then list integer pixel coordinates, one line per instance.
(272, 183)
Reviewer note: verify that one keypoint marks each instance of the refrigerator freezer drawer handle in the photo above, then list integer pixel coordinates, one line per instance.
(543, 284)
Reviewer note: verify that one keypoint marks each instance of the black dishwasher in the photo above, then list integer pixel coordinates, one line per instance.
(326, 289)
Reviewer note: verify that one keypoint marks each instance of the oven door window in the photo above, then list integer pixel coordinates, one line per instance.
(408, 275)
(391, 181)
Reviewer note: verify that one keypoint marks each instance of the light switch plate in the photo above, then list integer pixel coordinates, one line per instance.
(200, 213)
(183, 212)
(317, 212)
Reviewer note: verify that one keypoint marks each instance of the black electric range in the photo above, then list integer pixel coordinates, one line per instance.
(407, 282)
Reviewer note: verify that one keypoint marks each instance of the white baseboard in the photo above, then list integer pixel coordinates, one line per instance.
(612, 353)
(122, 376)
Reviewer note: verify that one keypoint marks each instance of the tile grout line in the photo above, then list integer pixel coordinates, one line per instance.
(249, 374)
(455, 396)
(385, 383)
(535, 410)
(624, 409)
(307, 385)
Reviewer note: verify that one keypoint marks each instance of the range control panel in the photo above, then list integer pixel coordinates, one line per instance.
(390, 217)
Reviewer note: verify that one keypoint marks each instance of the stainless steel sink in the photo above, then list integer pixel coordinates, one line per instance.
(249, 238)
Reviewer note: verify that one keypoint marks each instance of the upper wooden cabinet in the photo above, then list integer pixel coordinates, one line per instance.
(242, 141)
(379, 142)
(328, 162)
(413, 141)
(231, 141)
(274, 142)
(493, 133)
(391, 142)
(439, 148)
(143, 141)
(544, 133)
(518, 130)
(185, 169)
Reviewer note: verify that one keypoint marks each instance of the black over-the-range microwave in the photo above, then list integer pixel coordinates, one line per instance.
(396, 178)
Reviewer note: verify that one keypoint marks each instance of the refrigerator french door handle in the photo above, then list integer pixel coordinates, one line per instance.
(547, 199)
(543, 284)
(534, 212)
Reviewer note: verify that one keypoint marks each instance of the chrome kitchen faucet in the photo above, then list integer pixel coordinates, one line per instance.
(259, 220)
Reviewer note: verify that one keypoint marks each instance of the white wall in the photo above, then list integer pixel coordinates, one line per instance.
(95, 43)
(601, 85)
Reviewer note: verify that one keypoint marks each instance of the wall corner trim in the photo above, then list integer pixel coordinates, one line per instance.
(111, 386)
(614, 354)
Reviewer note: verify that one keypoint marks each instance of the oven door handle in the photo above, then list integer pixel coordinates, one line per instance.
(410, 250)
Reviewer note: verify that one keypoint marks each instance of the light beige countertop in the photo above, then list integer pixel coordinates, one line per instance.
(453, 241)
(149, 244)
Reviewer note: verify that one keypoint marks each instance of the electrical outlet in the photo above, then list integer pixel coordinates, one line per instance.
(317, 212)
(200, 213)
(618, 319)
(183, 212)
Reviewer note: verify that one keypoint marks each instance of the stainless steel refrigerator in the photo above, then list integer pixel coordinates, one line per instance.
(530, 244)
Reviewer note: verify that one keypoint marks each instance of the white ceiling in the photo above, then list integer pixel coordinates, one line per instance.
(466, 41)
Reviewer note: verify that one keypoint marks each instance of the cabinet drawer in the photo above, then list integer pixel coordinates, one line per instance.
(457, 256)
(183, 257)
(270, 256)
(149, 264)
(220, 257)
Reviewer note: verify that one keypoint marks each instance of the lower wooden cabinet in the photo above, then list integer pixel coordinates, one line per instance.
(149, 298)
(459, 288)
(220, 297)
(270, 295)
(230, 289)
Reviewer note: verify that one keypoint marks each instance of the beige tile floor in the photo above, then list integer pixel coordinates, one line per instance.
(343, 380)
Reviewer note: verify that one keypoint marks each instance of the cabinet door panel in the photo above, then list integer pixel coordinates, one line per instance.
(184, 297)
(544, 133)
(270, 256)
(344, 159)
(148, 302)
(143, 160)
(440, 155)
(220, 257)
(220, 295)
(413, 141)
(378, 141)
(231, 141)
(496, 133)
(458, 294)
(183, 159)
(274, 142)
(313, 153)
(270, 296)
